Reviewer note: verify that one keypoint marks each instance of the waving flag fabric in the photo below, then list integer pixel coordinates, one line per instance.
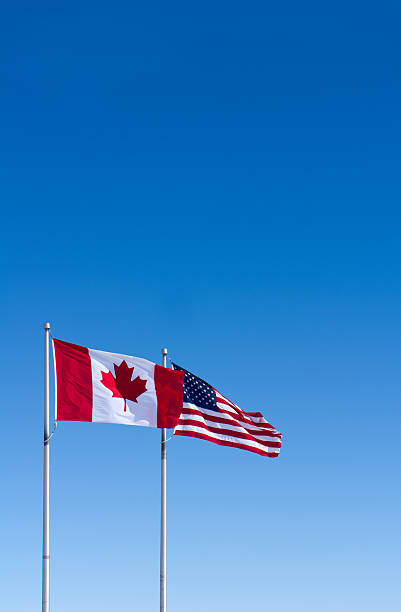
(207, 414)
(112, 388)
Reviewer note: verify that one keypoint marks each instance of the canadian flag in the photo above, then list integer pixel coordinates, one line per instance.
(111, 388)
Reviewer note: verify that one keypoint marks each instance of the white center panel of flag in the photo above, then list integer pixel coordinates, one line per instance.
(109, 409)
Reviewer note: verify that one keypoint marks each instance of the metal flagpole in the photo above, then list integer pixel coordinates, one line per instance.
(163, 525)
(46, 484)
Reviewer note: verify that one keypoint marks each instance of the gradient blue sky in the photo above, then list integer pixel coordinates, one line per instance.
(223, 179)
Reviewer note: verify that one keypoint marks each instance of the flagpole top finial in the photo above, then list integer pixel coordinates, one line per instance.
(164, 351)
(46, 325)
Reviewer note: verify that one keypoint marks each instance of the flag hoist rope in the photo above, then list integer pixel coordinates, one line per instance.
(163, 523)
(46, 483)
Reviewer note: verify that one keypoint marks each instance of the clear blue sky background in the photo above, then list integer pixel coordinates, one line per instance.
(223, 179)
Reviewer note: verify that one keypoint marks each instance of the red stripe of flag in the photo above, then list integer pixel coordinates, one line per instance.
(193, 434)
(262, 428)
(241, 416)
(168, 385)
(74, 382)
(223, 400)
(229, 432)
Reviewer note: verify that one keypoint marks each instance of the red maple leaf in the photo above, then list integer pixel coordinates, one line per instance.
(121, 385)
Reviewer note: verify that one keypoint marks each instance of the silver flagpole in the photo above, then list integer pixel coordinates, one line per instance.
(46, 484)
(163, 525)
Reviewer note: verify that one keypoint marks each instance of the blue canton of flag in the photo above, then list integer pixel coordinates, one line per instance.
(197, 391)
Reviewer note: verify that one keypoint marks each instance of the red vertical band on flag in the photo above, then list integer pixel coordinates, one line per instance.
(169, 389)
(74, 382)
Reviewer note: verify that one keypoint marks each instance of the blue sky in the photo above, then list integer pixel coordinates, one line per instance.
(222, 179)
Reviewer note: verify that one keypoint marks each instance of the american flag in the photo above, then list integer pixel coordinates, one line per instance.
(207, 414)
